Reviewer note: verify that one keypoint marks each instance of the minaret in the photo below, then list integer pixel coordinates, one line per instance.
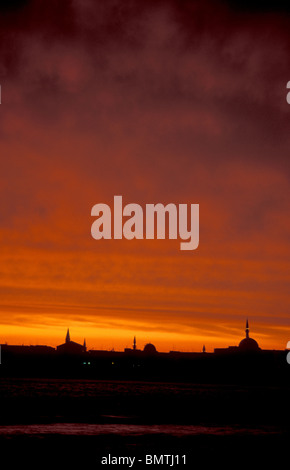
(247, 329)
(67, 339)
(134, 344)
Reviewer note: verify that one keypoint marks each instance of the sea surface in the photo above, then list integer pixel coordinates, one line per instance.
(83, 420)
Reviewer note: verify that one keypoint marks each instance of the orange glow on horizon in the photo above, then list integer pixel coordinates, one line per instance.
(106, 339)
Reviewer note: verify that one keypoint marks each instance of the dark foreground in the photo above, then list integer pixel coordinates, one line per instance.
(206, 450)
(77, 422)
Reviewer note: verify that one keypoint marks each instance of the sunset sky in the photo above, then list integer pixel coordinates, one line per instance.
(157, 101)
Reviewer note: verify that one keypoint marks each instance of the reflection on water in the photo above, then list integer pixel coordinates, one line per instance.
(91, 407)
(88, 429)
(79, 421)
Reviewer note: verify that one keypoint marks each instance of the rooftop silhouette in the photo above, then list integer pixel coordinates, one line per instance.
(248, 344)
(71, 347)
(245, 362)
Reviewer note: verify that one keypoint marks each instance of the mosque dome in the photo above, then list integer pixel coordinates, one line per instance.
(150, 348)
(248, 344)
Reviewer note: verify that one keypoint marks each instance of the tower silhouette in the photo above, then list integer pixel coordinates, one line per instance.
(248, 344)
(67, 339)
(247, 329)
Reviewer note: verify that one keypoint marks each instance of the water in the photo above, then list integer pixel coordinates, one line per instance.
(87, 429)
(46, 401)
(82, 420)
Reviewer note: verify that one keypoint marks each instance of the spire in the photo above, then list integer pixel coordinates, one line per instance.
(247, 329)
(85, 344)
(67, 339)
(134, 343)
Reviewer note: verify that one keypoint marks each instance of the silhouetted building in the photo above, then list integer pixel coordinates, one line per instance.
(248, 344)
(31, 350)
(244, 363)
(133, 350)
(70, 347)
(150, 349)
